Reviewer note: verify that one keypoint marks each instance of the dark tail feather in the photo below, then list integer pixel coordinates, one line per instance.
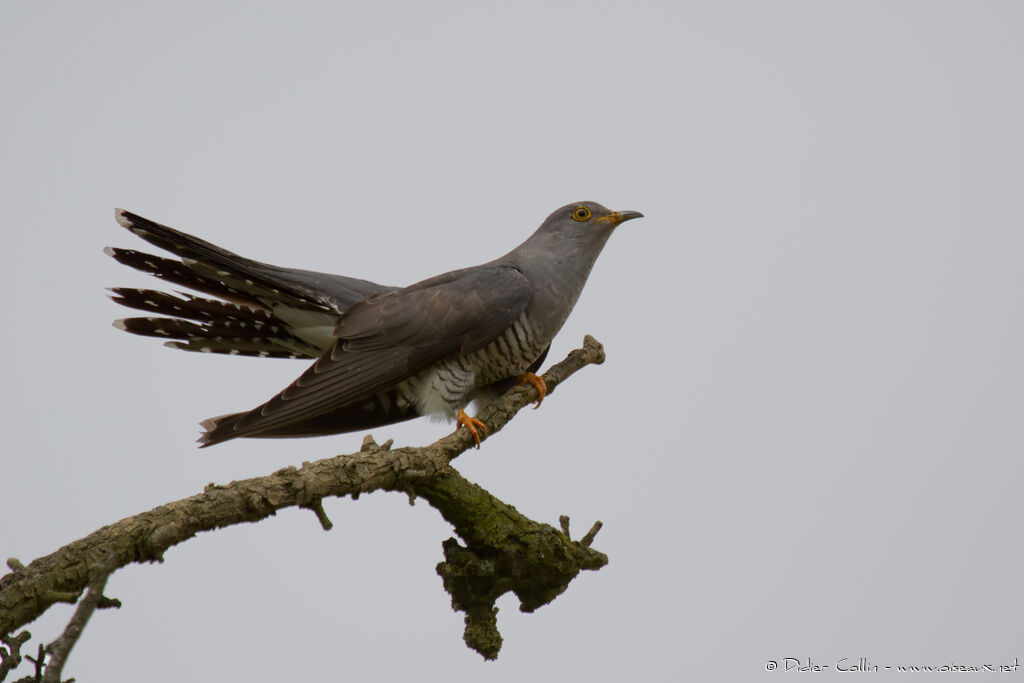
(236, 273)
(178, 273)
(232, 338)
(251, 279)
(188, 306)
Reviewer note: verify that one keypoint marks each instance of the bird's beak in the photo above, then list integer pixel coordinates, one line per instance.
(616, 217)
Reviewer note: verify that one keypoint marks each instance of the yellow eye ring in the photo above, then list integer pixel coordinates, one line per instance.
(580, 213)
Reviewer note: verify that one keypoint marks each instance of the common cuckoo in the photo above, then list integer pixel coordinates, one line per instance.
(383, 354)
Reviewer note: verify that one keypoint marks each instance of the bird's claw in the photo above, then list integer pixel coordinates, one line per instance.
(472, 424)
(538, 383)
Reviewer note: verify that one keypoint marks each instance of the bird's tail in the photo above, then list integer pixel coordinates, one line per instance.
(249, 308)
(254, 314)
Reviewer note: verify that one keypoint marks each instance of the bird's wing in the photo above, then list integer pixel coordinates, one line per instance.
(388, 338)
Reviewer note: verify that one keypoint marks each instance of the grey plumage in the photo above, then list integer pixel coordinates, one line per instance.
(384, 354)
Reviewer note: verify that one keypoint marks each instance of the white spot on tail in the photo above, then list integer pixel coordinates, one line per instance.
(122, 219)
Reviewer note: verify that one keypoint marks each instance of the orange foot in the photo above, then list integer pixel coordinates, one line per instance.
(538, 384)
(470, 423)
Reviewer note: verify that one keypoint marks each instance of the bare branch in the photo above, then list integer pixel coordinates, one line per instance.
(28, 591)
(38, 661)
(59, 649)
(317, 506)
(588, 538)
(10, 654)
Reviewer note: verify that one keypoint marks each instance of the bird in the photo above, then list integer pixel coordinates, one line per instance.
(382, 354)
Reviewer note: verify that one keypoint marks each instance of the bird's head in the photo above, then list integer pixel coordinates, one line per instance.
(582, 218)
(574, 234)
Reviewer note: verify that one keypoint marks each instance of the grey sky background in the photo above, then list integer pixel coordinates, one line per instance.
(807, 438)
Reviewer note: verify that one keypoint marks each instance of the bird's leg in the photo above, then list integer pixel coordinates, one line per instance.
(470, 423)
(538, 383)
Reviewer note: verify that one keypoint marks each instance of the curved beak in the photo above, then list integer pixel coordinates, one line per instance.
(617, 217)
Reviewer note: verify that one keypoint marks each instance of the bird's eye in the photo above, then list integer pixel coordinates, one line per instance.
(581, 213)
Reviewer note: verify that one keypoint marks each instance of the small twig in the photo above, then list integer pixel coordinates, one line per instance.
(10, 656)
(589, 537)
(563, 521)
(38, 661)
(14, 564)
(59, 649)
(108, 603)
(317, 506)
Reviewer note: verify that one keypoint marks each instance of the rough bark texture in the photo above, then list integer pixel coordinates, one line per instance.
(503, 550)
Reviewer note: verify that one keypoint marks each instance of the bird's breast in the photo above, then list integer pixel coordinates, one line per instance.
(445, 386)
(510, 354)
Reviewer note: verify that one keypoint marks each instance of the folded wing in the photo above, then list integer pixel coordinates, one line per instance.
(390, 337)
